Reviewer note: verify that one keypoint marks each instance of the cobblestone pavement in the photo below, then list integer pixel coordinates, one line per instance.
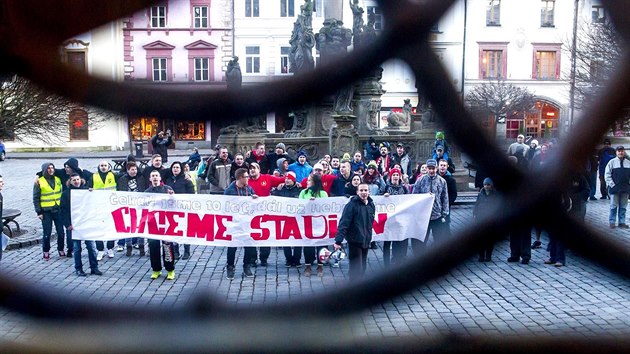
(496, 298)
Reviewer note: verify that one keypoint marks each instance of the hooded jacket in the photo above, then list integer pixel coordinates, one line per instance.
(355, 225)
(279, 164)
(180, 184)
(437, 186)
(54, 183)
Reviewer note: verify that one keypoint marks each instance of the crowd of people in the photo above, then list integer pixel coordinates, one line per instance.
(380, 169)
(253, 174)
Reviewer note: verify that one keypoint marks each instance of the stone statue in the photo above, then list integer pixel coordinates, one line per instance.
(357, 23)
(332, 41)
(233, 74)
(302, 41)
(395, 119)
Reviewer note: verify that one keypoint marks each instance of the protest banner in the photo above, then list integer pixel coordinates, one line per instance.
(218, 220)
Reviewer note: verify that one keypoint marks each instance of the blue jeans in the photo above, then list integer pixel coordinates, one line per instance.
(618, 204)
(132, 241)
(76, 254)
(556, 251)
(47, 222)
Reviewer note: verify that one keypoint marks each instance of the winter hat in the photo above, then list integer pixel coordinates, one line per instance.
(488, 180)
(318, 166)
(280, 162)
(534, 142)
(281, 146)
(394, 170)
(373, 164)
(431, 163)
(291, 176)
(301, 153)
(345, 157)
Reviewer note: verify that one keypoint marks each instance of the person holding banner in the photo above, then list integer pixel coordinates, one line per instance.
(132, 181)
(436, 185)
(103, 179)
(75, 183)
(394, 187)
(315, 189)
(154, 245)
(293, 255)
(240, 187)
(355, 227)
(181, 185)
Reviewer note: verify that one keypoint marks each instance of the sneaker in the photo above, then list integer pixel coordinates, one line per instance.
(624, 226)
(512, 259)
(307, 270)
(288, 264)
(135, 245)
(525, 261)
(537, 244)
(62, 253)
(129, 251)
(263, 263)
(247, 271)
(548, 261)
(335, 265)
(170, 275)
(612, 226)
(558, 264)
(142, 252)
(110, 253)
(156, 274)
(99, 255)
(320, 270)
(229, 272)
(69, 253)
(96, 272)
(80, 273)
(186, 256)
(119, 248)
(46, 255)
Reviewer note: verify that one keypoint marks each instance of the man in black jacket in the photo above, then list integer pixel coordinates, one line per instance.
(132, 181)
(355, 226)
(293, 255)
(77, 183)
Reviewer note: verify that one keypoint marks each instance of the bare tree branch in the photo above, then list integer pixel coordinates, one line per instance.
(26, 111)
(499, 99)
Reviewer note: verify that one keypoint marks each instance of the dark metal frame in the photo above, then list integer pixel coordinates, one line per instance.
(30, 48)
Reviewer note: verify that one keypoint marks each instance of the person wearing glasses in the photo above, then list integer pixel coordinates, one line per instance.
(241, 188)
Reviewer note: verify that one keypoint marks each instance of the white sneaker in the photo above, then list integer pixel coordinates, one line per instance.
(335, 265)
(119, 249)
(110, 253)
(99, 255)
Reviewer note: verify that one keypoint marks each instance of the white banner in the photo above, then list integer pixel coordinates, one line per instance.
(218, 220)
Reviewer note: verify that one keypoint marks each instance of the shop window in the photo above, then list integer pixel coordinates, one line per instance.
(143, 128)
(190, 130)
(78, 124)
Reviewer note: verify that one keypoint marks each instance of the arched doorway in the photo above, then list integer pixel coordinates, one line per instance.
(543, 122)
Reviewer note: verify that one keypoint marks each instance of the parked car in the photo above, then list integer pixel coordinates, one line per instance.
(3, 153)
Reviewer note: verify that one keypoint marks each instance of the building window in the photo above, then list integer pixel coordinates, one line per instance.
(158, 16)
(318, 8)
(202, 69)
(546, 13)
(143, 128)
(252, 60)
(284, 60)
(514, 126)
(598, 13)
(159, 69)
(287, 8)
(546, 62)
(493, 13)
(251, 8)
(378, 17)
(201, 16)
(76, 60)
(78, 121)
(492, 60)
(190, 130)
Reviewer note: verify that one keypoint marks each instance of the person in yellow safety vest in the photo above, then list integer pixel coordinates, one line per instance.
(104, 178)
(47, 200)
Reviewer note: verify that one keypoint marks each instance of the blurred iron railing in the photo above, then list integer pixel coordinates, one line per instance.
(28, 47)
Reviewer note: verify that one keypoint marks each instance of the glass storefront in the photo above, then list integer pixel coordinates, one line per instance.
(145, 128)
(542, 122)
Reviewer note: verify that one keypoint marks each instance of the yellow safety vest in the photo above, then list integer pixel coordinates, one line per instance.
(110, 181)
(49, 197)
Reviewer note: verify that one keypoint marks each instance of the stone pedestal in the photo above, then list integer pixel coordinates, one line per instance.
(344, 136)
(416, 123)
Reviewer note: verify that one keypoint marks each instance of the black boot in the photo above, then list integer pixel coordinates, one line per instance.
(186, 252)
